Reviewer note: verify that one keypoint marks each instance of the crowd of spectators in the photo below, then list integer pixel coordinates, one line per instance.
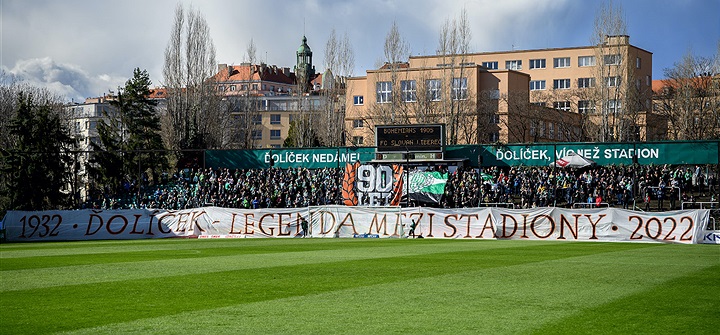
(238, 188)
(658, 188)
(527, 187)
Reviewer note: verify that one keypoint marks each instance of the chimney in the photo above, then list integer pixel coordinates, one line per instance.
(222, 67)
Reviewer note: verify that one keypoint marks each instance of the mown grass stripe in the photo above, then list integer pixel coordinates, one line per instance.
(688, 304)
(533, 295)
(88, 305)
(105, 272)
(190, 249)
(24, 250)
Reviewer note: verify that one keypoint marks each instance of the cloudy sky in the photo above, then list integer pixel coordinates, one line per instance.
(83, 48)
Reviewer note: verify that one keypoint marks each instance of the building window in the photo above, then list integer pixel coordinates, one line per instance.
(561, 62)
(274, 118)
(612, 81)
(256, 134)
(358, 123)
(383, 91)
(613, 106)
(586, 61)
(409, 90)
(537, 64)
(490, 65)
(586, 82)
(257, 119)
(255, 87)
(537, 85)
(648, 81)
(551, 130)
(434, 89)
(493, 137)
(232, 88)
(221, 88)
(561, 84)
(562, 105)
(358, 140)
(459, 88)
(495, 118)
(637, 62)
(586, 106)
(539, 104)
(612, 59)
(274, 134)
(513, 65)
(358, 100)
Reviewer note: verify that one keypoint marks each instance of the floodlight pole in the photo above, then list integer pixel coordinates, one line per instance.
(407, 179)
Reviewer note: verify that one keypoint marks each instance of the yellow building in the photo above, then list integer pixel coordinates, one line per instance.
(600, 93)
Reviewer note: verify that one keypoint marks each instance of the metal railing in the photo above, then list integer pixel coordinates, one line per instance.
(700, 205)
(497, 204)
(591, 205)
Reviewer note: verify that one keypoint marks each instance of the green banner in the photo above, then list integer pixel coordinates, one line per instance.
(658, 153)
(426, 186)
(695, 152)
(316, 158)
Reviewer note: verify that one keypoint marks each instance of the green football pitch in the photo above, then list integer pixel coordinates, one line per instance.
(358, 286)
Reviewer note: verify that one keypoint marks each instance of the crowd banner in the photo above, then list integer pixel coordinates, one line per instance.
(658, 153)
(351, 221)
(548, 223)
(372, 184)
(316, 158)
(425, 186)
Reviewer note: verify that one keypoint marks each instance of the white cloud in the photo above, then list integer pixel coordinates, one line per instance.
(67, 80)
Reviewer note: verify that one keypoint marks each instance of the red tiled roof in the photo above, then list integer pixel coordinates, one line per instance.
(254, 73)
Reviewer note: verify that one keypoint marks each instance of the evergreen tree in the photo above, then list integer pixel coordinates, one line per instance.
(130, 140)
(144, 141)
(39, 167)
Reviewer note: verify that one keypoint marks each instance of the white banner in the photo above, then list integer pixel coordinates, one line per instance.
(606, 224)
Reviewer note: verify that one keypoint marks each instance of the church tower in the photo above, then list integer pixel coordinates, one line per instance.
(304, 70)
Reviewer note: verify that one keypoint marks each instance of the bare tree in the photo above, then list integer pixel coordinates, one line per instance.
(453, 46)
(195, 118)
(10, 90)
(610, 37)
(245, 108)
(339, 64)
(396, 51)
(689, 98)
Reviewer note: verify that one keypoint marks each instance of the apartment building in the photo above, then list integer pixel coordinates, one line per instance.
(600, 93)
(83, 119)
(271, 96)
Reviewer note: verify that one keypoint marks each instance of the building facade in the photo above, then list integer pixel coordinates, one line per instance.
(600, 93)
(265, 100)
